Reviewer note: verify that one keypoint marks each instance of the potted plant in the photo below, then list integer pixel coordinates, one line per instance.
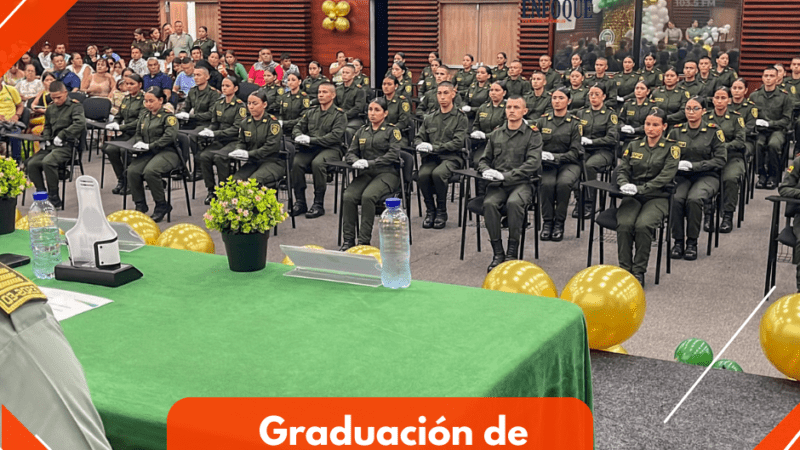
(244, 212)
(12, 182)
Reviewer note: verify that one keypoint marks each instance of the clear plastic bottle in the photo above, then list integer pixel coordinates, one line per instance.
(395, 248)
(45, 237)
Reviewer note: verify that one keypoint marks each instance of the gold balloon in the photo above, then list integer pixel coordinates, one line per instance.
(17, 216)
(332, 16)
(186, 236)
(616, 349)
(342, 9)
(612, 301)
(327, 24)
(520, 277)
(287, 261)
(141, 223)
(342, 24)
(22, 224)
(328, 7)
(780, 335)
(366, 250)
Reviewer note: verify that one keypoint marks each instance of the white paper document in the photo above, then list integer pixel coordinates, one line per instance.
(66, 304)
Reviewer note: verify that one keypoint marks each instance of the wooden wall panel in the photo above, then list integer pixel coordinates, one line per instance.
(105, 23)
(57, 34)
(207, 14)
(459, 32)
(535, 40)
(354, 42)
(769, 35)
(499, 32)
(413, 29)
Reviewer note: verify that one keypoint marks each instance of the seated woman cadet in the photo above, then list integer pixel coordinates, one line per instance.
(313, 80)
(790, 187)
(227, 115)
(398, 107)
(576, 90)
(156, 140)
(465, 76)
(561, 138)
(746, 108)
(627, 80)
(427, 71)
(538, 100)
(125, 121)
(733, 127)
(375, 153)
(650, 73)
(634, 111)
(647, 167)
(600, 137)
(294, 103)
(260, 140)
(702, 157)
(478, 92)
(400, 72)
(671, 98)
(428, 82)
(490, 116)
(273, 90)
(576, 63)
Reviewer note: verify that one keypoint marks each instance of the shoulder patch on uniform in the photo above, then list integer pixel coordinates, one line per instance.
(688, 95)
(721, 135)
(741, 122)
(275, 128)
(406, 107)
(790, 169)
(614, 119)
(243, 112)
(172, 121)
(534, 128)
(625, 153)
(675, 151)
(712, 125)
(396, 134)
(755, 112)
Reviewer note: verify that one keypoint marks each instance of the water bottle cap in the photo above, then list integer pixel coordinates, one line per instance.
(38, 196)
(392, 202)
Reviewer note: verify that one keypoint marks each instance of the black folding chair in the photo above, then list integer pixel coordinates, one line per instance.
(245, 89)
(96, 110)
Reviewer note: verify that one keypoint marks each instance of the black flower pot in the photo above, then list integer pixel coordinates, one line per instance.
(8, 212)
(246, 252)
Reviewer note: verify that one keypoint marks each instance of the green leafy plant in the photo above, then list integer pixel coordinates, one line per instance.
(12, 178)
(244, 207)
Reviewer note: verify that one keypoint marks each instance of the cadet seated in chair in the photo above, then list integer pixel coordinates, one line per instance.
(397, 106)
(125, 121)
(351, 98)
(634, 112)
(259, 143)
(774, 116)
(790, 187)
(294, 103)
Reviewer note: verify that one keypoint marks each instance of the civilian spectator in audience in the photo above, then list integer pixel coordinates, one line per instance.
(92, 55)
(694, 32)
(171, 66)
(78, 67)
(185, 81)
(14, 74)
(234, 67)
(197, 54)
(215, 68)
(205, 43)
(44, 57)
(108, 53)
(287, 66)
(139, 42)
(70, 80)
(38, 107)
(119, 67)
(673, 34)
(256, 74)
(61, 49)
(157, 44)
(166, 32)
(101, 83)
(180, 41)
(216, 60)
(11, 108)
(137, 63)
(28, 58)
(30, 86)
(155, 77)
(336, 66)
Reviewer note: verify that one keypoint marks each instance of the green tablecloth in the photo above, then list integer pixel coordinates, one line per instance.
(193, 328)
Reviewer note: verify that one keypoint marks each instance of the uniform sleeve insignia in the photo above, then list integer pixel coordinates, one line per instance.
(712, 125)
(614, 119)
(243, 112)
(741, 122)
(675, 151)
(580, 130)
(275, 128)
(794, 91)
(688, 95)
(755, 112)
(396, 134)
(533, 127)
(408, 88)
(790, 169)
(172, 121)
(406, 107)
(721, 135)
(306, 103)
(626, 153)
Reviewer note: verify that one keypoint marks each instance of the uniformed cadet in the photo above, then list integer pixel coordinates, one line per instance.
(398, 108)
(360, 79)
(747, 109)
(465, 75)
(351, 98)
(440, 139)
(478, 92)
(196, 109)
(430, 103)
(400, 57)
(500, 71)
(577, 63)
(538, 100)
(489, 117)
(733, 128)
(227, 115)
(427, 81)
(774, 114)
(551, 76)
(577, 92)
(205, 43)
(294, 103)
(375, 153)
(313, 80)
(724, 74)
(706, 76)
(790, 187)
(671, 98)
(791, 84)
(156, 141)
(702, 157)
(44, 385)
(627, 79)
(516, 84)
(561, 140)
(647, 167)
(259, 143)
(427, 71)
(320, 133)
(64, 122)
(512, 157)
(400, 72)
(599, 139)
(601, 78)
(650, 72)
(634, 111)
(693, 84)
(125, 121)
(273, 90)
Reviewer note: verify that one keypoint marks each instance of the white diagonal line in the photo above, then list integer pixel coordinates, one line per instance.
(793, 441)
(719, 354)
(13, 12)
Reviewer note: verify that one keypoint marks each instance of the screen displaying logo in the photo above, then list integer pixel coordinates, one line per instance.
(555, 11)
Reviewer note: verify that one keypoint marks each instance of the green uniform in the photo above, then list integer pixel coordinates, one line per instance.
(381, 149)
(699, 88)
(608, 84)
(705, 149)
(427, 72)
(446, 132)
(408, 75)
(399, 109)
(552, 79)
(733, 128)
(710, 83)
(226, 118)
(578, 98)
(561, 136)
(601, 127)
(428, 83)
(517, 155)
(362, 80)
(160, 131)
(776, 108)
(405, 87)
(293, 106)
(200, 102)
(626, 83)
(487, 119)
(326, 130)
(790, 187)
(521, 86)
(274, 93)
(262, 140)
(463, 80)
(672, 101)
(65, 122)
(476, 95)
(565, 76)
(127, 117)
(651, 170)
(205, 45)
(311, 87)
(654, 77)
(792, 87)
(353, 100)
(499, 74)
(726, 77)
(634, 114)
(145, 47)
(430, 102)
(538, 105)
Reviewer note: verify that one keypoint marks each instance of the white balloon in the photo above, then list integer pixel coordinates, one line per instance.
(710, 41)
(705, 35)
(653, 9)
(662, 3)
(714, 30)
(596, 9)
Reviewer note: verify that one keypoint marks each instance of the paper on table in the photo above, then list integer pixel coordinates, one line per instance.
(66, 304)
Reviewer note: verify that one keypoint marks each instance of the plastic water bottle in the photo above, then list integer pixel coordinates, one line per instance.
(395, 249)
(45, 237)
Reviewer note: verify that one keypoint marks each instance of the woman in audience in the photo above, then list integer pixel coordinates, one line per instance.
(119, 93)
(30, 86)
(627, 79)
(14, 74)
(399, 71)
(478, 92)
(398, 107)
(576, 90)
(746, 109)
(260, 141)
(294, 103)
(488, 117)
(78, 67)
(671, 97)
(374, 152)
(634, 111)
(428, 82)
(119, 66)
(336, 66)
(313, 80)
(725, 75)
(500, 72)
(28, 59)
(101, 83)
(92, 55)
(427, 71)
(576, 63)
(273, 90)
(170, 67)
(650, 72)
(156, 44)
(465, 75)
(234, 67)
(125, 121)
(360, 78)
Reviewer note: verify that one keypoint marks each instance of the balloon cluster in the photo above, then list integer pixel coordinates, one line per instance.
(598, 5)
(780, 339)
(336, 13)
(710, 38)
(654, 18)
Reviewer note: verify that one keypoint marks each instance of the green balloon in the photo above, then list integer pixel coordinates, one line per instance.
(694, 351)
(727, 364)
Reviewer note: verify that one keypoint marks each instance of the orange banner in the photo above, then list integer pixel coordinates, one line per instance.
(259, 423)
(786, 431)
(15, 435)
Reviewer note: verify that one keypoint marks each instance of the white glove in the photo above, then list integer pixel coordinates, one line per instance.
(43, 145)
(182, 115)
(113, 126)
(492, 175)
(280, 122)
(425, 147)
(206, 132)
(361, 164)
(629, 189)
(762, 123)
(586, 141)
(303, 139)
(239, 154)
(627, 129)
(685, 166)
(477, 134)
(141, 146)
(57, 141)
(620, 99)
(547, 156)
(466, 108)
(421, 82)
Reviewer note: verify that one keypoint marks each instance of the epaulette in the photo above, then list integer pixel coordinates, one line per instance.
(273, 117)
(678, 125)
(302, 93)
(534, 128)
(712, 125)
(735, 112)
(339, 109)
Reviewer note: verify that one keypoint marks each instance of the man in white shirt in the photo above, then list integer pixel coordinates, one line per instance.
(180, 41)
(44, 57)
(137, 64)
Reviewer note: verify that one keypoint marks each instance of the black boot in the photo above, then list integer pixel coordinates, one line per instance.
(430, 214)
(209, 197)
(499, 255)
(118, 189)
(160, 211)
(677, 250)
(299, 206)
(558, 231)
(55, 200)
(727, 222)
(441, 215)
(317, 208)
(547, 231)
(762, 181)
(513, 250)
(691, 250)
(348, 243)
(707, 223)
(640, 278)
(772, 183)
(142, 207)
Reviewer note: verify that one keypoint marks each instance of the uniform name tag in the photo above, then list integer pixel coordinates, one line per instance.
(546, 131)
(659, 99)
(681, 144)
(636, 155)
(631, 113)
(247, 134)
(362, 141)
(483, 114)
